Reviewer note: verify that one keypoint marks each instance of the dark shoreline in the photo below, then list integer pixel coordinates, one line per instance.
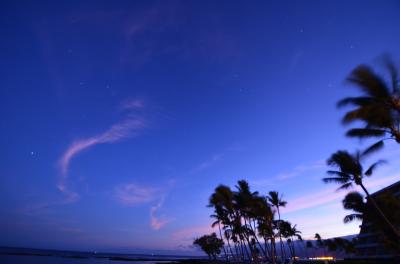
(113, 258)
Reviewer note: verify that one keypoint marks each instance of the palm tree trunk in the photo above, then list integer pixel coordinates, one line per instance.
(267, 248)
(220, 234)
(247, 239)
(273, 249)
(290, 249)
(236, 250)
(243, 244)
(283, 254)
(294, 249)
(255, 236)
(370, 198)
(229, 246)
(241, 249)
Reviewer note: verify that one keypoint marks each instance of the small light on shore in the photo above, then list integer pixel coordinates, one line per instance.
(322, 258)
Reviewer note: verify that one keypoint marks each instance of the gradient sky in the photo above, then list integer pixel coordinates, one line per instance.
(119, 118)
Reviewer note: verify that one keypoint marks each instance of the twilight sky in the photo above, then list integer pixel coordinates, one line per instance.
(119, 118)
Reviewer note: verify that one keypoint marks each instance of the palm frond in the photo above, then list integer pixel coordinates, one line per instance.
(360, 101)
(345, 186)
(373, 148)
(338, 173)
(394, 75)
(365, 132)
(371, 169)
(354, 201)
(368, 81)
(214, 224)
(335, 180)
(351, 217)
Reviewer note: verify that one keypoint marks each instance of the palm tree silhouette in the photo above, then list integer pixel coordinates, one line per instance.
(354, 201)
(210, 244)
(245, 217)
(277, 201)
(378, 106)
(219, 214)
(320, 243)
(350, 171)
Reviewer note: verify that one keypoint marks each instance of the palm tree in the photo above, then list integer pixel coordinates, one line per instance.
(295, 234)
(210, 244)
(246, 203)
(264, 216)
(320, 242)
(285, 231)
(222, 201)
(350, 171)
(354, 201)
(277, 201)
(290, 232)
(218, 216)
(379, 105)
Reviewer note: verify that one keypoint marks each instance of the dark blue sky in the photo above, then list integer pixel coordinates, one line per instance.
(119, 118)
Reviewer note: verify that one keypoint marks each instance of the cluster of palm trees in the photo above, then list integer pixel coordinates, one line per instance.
(334, 245)
(247, 221)
(251, 224)
(378, 109)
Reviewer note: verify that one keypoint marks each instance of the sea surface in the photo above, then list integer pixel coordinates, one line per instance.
(35, 256)
(12, 259)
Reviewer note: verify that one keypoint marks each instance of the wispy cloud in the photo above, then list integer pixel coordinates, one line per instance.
(132, 194)
(298, 170)
(130, 104)
(126, 128)
(215, 158)
(207, 163)
(314, 199)
(186, 235)
(295, 172)
(158, 222)
(329, 194)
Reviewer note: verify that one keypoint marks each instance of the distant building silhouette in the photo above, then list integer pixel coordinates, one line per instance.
(370, 241)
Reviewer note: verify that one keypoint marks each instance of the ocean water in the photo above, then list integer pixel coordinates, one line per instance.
(41, 256)
(14, 259)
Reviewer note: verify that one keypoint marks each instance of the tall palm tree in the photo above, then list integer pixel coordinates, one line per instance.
(350, 171)
(378, 106)
(285, 231)
(276, 200)
(295, 233)
(354, 201)
(222, 201)
(244, 201)
(320, 243)
(218, 216)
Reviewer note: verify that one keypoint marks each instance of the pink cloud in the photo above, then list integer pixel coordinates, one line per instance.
(158, 222)
(126, 128)
(301, 169)
(131, 104)
(118, 131)
(188, 234)
(314, 199)
(132, 194)
(328, 195)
